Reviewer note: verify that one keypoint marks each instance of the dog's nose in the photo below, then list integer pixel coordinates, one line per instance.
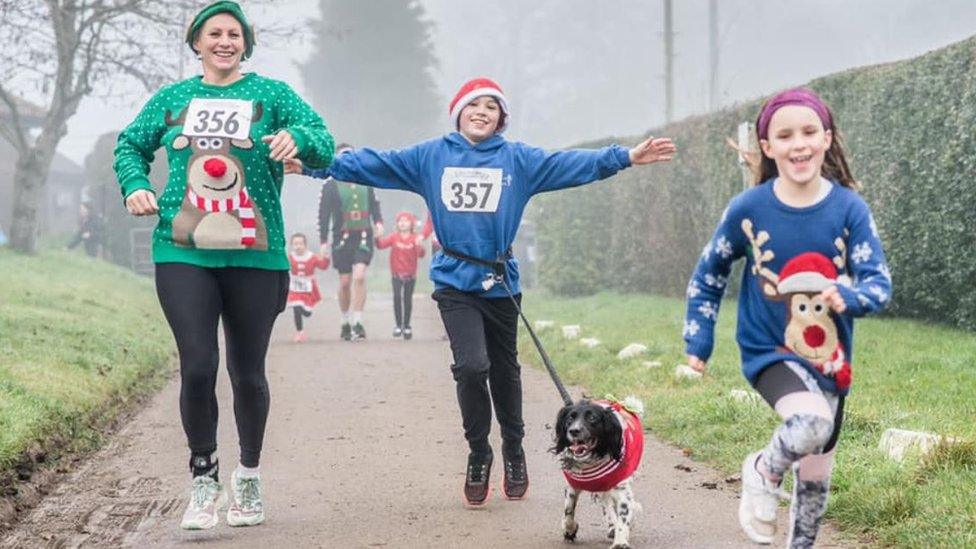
(574, 432)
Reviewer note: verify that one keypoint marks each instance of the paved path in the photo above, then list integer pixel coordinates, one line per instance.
(364, 449)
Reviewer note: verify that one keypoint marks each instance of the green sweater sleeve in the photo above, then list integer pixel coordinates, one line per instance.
(137, 145)
(314, 142)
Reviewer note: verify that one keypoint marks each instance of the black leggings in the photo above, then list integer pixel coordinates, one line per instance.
(403, 300)
(483, 334)
(300, 313)
(779, 380)
(248, 301)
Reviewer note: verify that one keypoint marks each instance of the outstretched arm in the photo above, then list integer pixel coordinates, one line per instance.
(564, 169)
(394, 169)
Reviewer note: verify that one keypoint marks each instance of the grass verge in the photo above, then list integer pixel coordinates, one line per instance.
(907, 375)
(79, 340)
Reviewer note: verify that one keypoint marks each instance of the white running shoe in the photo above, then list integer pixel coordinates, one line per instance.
(207, 497)
(246, 509)
(758, 503)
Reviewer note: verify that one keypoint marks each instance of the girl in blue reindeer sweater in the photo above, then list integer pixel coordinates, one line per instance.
(814, 262)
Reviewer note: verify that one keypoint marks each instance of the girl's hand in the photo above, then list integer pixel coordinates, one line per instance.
(652, 150)
(324, 250)
(378, 230)
(282, 146)
(834, 300)
(697, 364)
(293, 165)
(141, 202)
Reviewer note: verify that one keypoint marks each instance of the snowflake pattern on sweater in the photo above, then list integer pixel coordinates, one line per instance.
(792, 255)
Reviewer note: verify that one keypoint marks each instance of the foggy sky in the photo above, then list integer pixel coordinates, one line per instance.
(766, 45)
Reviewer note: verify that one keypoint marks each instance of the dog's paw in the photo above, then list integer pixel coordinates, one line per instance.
(622, 545)
(569, 534)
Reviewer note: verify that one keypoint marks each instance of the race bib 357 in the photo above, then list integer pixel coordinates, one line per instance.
(471, 189)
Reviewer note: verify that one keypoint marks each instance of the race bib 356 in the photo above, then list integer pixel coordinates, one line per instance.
(228, 118)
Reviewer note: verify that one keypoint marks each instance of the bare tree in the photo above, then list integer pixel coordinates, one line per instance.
(65, 50)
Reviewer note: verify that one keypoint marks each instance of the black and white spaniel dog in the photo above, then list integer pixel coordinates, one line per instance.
(600, 444)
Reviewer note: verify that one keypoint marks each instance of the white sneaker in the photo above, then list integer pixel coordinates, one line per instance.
(758, 503)
(207, 497)
(246, 509)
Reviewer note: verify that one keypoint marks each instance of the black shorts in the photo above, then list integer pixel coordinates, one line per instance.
(779, 380)
(352, 253)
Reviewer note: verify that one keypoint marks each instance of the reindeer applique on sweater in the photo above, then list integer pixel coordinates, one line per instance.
(792, 255)
(811, 331)
(217, 212)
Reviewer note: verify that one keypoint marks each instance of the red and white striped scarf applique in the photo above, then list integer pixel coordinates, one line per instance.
(241, 203)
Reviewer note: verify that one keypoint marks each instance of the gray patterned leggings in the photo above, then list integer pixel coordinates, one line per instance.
(804, 441)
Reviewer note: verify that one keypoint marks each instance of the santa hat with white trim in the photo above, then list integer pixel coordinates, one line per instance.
(807, 273)
(473, 89)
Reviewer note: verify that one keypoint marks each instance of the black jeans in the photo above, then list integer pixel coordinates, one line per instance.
(248, 301)
(483, 334)
(403, 300)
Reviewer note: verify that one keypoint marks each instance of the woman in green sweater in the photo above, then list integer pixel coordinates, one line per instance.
(219, 246)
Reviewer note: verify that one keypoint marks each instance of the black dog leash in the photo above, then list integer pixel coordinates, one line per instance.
(498, 276)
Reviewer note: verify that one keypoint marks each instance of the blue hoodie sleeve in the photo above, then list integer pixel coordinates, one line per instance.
(871, 290)
(394, 169)
(708, 283)
(551, 171)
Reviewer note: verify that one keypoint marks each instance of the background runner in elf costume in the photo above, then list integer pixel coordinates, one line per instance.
(353, 212)
(303, 288)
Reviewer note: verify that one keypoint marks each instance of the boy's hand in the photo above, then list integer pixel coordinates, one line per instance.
(293, 165)
(652, 150)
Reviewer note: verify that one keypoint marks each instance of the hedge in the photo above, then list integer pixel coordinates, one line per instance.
(910, 131)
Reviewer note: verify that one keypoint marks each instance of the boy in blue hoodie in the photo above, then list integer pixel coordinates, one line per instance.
(476, 185)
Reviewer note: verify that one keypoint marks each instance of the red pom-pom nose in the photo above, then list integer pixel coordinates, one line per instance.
(814, 336)
(215, 167)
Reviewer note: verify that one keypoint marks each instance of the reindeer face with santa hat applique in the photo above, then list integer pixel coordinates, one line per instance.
(811, 332)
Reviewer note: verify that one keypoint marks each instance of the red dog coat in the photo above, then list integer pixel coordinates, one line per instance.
(608, 473)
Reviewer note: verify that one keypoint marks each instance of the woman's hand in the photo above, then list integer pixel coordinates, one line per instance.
(652, 150)
(293, 165)
(697, 364)
(142, 202)
(378, 230)
(834, 300)
(282, 146)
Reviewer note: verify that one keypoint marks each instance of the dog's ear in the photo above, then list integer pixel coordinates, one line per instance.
(562, 441)
(611, 435)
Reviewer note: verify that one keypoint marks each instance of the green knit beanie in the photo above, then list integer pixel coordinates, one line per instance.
(224, 6)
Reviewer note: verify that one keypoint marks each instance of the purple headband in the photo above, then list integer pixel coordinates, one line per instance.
(796, 96)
